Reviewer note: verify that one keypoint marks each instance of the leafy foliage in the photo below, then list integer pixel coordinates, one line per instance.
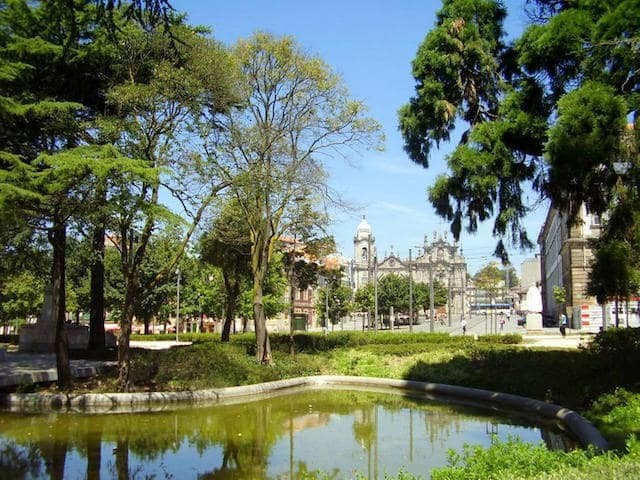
(617, 415)
(489, 278)
(515, 459)
(548, 111)
(21, 294)
(296, 109)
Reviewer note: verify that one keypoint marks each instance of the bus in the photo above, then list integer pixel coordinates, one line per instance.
(480, 308)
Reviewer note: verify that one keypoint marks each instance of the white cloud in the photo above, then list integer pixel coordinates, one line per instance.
(403, 209)
(396, 166)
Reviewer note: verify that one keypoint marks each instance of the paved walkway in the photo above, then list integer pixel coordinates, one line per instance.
(25, 368)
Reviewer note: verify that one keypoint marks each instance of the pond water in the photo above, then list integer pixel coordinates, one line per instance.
(339, 432)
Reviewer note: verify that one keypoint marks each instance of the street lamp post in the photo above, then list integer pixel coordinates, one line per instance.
(410, 295)
(431, 294)
(326, 307)
(201, 313)
(449, 296)
(375, 292)
(177, 303)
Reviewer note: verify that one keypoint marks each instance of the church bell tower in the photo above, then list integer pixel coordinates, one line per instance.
(363, 253)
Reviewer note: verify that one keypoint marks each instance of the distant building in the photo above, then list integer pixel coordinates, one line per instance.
(566, 262)
(530, 273)
(439, 260)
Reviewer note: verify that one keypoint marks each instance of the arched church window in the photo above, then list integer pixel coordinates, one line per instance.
(364, 253)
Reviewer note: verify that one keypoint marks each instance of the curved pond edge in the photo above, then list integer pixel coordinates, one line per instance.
(583, 430)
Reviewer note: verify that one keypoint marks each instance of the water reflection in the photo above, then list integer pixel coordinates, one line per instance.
(338, 432)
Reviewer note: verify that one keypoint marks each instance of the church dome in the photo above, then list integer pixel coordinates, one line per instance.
(364, 228)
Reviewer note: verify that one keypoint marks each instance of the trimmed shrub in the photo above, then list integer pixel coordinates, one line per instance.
(616, 415)
(507, 339)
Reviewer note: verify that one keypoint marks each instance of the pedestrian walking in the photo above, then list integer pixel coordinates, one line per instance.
(563, 324)
(463, 324)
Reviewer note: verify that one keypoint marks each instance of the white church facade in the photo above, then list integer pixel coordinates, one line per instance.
(438, 259)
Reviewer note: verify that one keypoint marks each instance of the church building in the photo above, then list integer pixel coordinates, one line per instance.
(438, 259)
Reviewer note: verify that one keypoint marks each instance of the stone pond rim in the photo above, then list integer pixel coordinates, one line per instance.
(579, 427)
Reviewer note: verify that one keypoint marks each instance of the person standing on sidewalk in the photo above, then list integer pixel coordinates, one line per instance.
(563, 324)
(463, 324)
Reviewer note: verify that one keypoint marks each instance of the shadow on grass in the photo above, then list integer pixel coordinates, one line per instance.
(569, 378)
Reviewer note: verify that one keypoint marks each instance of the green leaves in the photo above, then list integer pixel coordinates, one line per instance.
(583, 144)
(547, 113)
(457, 75)
(490, 278)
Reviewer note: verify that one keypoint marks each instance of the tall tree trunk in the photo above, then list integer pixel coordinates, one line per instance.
(97, 309)
(260, 251)
(58, 239)
(292, 299)
(122, 458)
(124, 352)
(232, 289)
(263, 347)
(94, 452)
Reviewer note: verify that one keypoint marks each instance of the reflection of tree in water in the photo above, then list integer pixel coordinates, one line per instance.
(439, 426)
(363, 427)
(54, 451)
(88, 443)
(22, 463)
(121, 452)
(365, 431)
(94, 453)
(247, 440)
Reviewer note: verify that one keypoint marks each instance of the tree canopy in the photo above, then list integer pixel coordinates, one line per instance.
(90, 117)
(546, 112)
(295, 109)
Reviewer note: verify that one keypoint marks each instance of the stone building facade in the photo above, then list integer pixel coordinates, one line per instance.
(437, 259)
(566, 258)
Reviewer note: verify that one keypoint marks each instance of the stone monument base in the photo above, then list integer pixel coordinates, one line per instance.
(33, 339)
(534, 321)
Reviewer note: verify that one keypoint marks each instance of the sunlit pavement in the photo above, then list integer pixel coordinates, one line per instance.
(480, 325)
(157, 344)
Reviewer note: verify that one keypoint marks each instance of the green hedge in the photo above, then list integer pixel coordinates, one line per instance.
(318, 342)
(507, 339)
(183, 337)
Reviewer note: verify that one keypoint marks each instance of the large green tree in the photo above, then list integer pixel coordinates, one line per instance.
(422, 295)
(54, 73)
(547, 111)
(171, 87)
(490, 278)
(615, 266)
(393, 291)
(334, 299)
(227, 246)
(296, 110)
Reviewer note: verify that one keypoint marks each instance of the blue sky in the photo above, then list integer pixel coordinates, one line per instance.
(371, 44)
